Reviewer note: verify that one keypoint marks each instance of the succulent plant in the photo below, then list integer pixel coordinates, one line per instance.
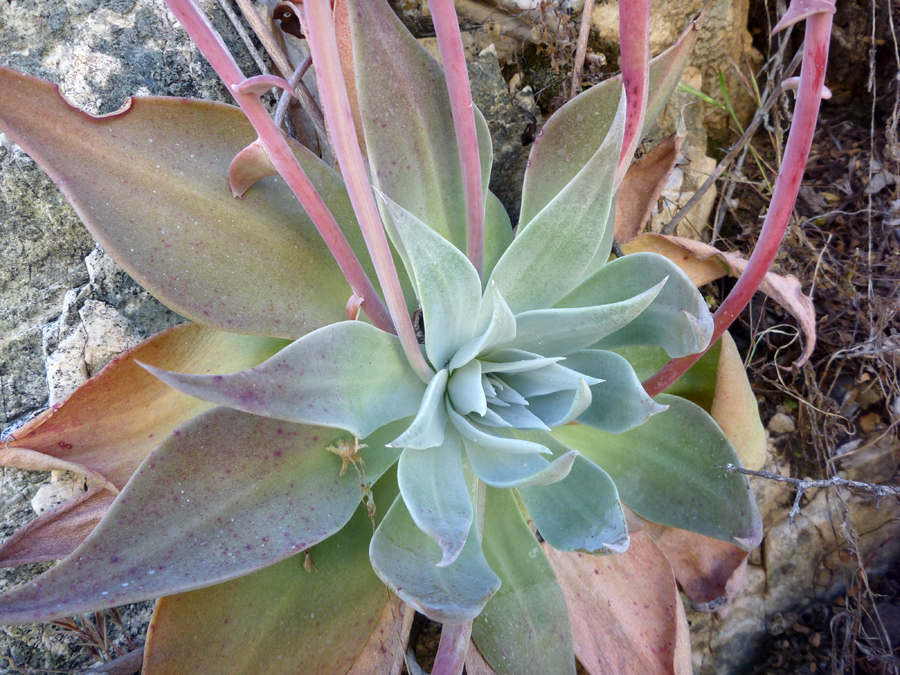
(222, 450)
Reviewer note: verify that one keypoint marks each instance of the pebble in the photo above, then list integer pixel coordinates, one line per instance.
(782, 424)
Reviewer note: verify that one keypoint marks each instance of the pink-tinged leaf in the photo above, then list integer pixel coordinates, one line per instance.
(55, 534)
(250, 165)
(625, 610)
(800, 10)
(706, 263)
(312, 614)
(643, 184)
(225, 495)
(151, 183)
(573, 134)
(109, 425)
(710, 572)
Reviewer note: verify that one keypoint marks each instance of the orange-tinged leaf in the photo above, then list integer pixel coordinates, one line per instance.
(642, 186)
(111, 423)
(625, 610)
(735, 409)
(54, 534)
(701, 272)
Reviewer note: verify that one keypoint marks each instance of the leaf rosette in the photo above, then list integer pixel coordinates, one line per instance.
(529, 413)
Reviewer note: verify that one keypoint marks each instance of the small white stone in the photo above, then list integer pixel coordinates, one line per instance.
(782, 424)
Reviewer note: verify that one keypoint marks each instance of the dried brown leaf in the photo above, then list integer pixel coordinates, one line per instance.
(642, 187)
(625, 610)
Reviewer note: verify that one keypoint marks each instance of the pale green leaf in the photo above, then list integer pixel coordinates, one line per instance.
(524, 630)
(507, 470)
(564, 330)
(582, 512)
(427, 429)
(669, 471)
(572, 135)
(677, 319)
(348, 375)
(446, 283)
(547, 258)
(435, 493)
(619, 401)
(406, 560)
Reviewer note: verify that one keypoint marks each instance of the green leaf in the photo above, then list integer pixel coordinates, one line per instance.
(718, 384)
(563, 331)
(427, 429)
(508, 470)
(524, 629)
(225, 495)
(581, 512)
(435, 493)
(408, 124)
(499, 329)
(406, 560)
(667, 471)
(547, 258)
(619, 402)
(446, 283)
(151, 184)
(349, 375)
(466, 391)
(239, 627)
(677, 319)
(572, 135)
(498, 233)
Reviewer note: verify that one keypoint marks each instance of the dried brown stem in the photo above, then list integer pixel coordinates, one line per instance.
(803, 485)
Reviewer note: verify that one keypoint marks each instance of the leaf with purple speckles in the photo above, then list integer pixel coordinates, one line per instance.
(225, 495)
(151, 184)
(238, 625)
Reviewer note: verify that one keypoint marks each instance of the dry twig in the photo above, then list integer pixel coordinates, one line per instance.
(803, 485)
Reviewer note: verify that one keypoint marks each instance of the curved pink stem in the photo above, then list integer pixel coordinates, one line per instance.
(319, 29)
(210, 44)
(634, 41)
(446, 26)
(796, 153)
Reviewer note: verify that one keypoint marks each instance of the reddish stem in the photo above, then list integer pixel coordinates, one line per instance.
(318, 23)
(634, 41)
(446, 26)
(210, 44)
(452, 649)
(796, 153)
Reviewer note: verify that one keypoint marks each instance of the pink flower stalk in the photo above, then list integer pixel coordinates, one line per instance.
(818, 14)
